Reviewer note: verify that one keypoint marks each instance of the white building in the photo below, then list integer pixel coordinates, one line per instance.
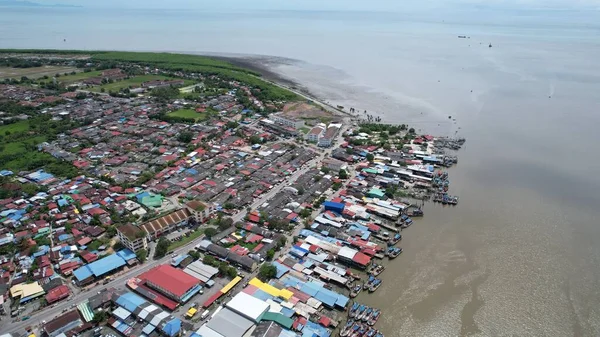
(132, 237)
(292, 122)
(315, 133)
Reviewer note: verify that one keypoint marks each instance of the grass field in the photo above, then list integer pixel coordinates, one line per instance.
(133, 82)
(189, 114)
(33, 73)
(78, 77)
(15, 127)
(187, 239)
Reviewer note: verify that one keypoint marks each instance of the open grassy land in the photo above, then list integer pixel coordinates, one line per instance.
(187, 239)
(33, 73)
(14, 127)
(181, 62)
(68, 79)
(133, 82)
(189, 114)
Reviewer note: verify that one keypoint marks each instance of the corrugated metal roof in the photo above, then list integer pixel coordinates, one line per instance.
(121, 313)
(248, 306)
(229, 324)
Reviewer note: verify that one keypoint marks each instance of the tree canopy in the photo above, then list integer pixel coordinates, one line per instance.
(267, 271)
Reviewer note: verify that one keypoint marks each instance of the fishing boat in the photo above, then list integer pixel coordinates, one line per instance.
(394, 240)
(379, 334)
(374, 317)
(354, 310)
(360, 311)
(354, 332)
(375, 285)
(365, 314)
(368, 283)
(394, 252)
(363, 329)
(355, 291)
(378, 269)
(345, 331)
(371, 332)
(407, 223)
(414, 212)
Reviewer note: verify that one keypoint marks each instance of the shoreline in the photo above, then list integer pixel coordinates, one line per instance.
(259, 64)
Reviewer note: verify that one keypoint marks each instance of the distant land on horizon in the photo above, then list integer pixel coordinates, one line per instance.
(25, 3)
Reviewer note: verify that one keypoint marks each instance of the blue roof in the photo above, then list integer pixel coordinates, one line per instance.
(172, 327)
(104, 265)
(130, 301)
(142, 195)
(82, 273)
(191, 171)
(126, 254)
(5, 173)
(325, 298)
(62, 202)
(260, 294)
(281, 269)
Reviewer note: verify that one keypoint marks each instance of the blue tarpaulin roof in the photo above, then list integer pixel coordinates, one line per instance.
(172, 327)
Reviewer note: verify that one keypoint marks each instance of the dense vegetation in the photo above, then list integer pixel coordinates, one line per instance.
(181, 62)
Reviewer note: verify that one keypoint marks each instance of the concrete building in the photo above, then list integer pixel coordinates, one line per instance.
(132, 237)
(290, 121)
(329, 136)
(166, 223)
(315, 133)
(334, 164)
(200, 211)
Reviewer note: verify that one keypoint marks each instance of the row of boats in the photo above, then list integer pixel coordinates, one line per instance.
(404, 221)
(393, 252)
(445, 199)
(359, 329)
(360, 312)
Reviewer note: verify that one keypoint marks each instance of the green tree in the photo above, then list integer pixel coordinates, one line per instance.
(100, 316)
(267, 271)
(210, 232)
(185, 136)
(194, 254)
(223, 267)
(111, 231)
(209, 260)
(305, 213)
(343, 174)
(254, 139)
(270, 254)
(118, 246)
(370, 157)
(231, 272)
(162, 247)
(141, 254)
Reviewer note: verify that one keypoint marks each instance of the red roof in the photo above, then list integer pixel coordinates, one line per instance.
(212, 299)
(57, 293)
(325, 321)
(254, 238)
(361, 259)
(170, 279)
(258, 247)
(254, 218)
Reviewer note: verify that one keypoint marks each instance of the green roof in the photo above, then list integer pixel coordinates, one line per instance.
(375, 192)
(370, 170)
(152, 201)
(278, 318)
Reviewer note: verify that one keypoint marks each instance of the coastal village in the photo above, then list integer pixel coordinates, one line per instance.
(170, 202)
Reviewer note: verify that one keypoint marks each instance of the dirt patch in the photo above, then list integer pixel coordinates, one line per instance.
(309, 111)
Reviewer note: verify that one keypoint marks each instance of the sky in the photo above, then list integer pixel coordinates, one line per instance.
(375, 5)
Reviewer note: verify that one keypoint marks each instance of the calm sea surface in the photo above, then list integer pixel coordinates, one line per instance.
(519, 256)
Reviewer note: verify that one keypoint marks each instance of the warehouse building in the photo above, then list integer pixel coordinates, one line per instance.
(105, 266)
(132, 310)
(171, 282)
(201, 271)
